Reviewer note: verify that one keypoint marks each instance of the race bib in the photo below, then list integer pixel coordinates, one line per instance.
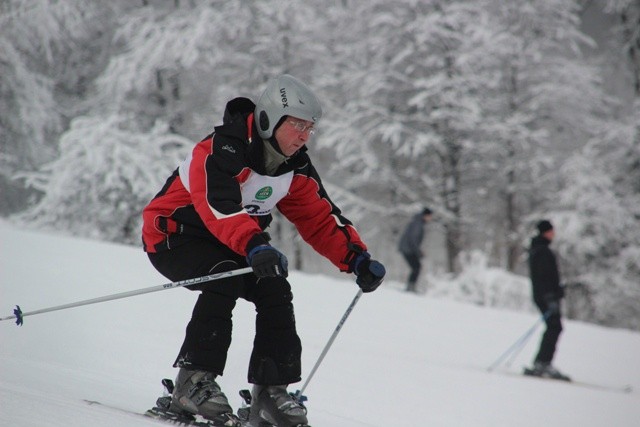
(261, 193)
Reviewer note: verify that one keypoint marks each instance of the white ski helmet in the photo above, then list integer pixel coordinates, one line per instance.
(285, 96)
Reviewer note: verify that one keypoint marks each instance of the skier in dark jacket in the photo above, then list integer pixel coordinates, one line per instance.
(210, 217)
(410, 246)
(547, 293)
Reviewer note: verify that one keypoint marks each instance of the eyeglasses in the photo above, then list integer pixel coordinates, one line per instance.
(302, 127)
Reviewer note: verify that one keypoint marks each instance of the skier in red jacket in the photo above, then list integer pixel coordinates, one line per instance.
(210, 217)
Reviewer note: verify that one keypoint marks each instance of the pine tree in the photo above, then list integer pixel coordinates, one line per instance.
(545, 99)
(44, 47)
(104, 176)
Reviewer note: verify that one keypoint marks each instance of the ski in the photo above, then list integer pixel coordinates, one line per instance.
(187, 419)
(527, 372)
(172, 418)
(162, 412)
(627, 388)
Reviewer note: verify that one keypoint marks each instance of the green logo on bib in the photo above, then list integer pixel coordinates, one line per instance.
(264, 193)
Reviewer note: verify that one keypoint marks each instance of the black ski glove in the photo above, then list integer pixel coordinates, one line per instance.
(553, 308)
(553, 304)
(267, 261)
(370, 272)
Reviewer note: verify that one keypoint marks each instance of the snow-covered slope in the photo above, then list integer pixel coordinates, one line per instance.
(400, 360)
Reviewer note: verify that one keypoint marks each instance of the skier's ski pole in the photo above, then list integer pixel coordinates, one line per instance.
(520, 342)
(298, 394)
(19, 315)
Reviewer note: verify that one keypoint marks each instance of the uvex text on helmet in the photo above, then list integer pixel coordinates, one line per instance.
(285, 96)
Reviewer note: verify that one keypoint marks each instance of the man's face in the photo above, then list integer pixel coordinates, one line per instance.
(293, 134)
(549, 234)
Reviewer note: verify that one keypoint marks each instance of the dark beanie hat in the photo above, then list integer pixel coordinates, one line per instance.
(544, 226)
(426, 211)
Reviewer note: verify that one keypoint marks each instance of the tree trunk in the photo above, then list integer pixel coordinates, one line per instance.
(513, 246)
(632, 40)
(451, 198)
(512, 241)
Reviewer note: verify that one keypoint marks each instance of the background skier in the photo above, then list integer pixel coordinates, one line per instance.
(547, 293)
(410, 246)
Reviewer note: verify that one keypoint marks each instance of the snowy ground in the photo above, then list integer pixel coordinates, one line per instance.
(400, 360)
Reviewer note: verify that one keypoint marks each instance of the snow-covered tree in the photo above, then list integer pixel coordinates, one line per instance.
(175, 61)
(626, 142)
(544, 99)
(105, 175)
(44, 70)
(628, 12)
(407, 108)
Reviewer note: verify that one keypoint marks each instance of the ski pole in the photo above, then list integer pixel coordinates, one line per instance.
(298, 395)
(520, 342)
(519, 348)
(19, 315)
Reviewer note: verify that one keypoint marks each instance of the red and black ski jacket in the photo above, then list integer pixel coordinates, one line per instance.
(222, 192)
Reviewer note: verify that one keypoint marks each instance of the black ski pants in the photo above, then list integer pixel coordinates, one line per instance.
(275, 359)
(551, 334)
(415, 265)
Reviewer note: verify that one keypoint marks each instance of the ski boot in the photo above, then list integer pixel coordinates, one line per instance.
(545, 370)
(195, 395)
(272, 406)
